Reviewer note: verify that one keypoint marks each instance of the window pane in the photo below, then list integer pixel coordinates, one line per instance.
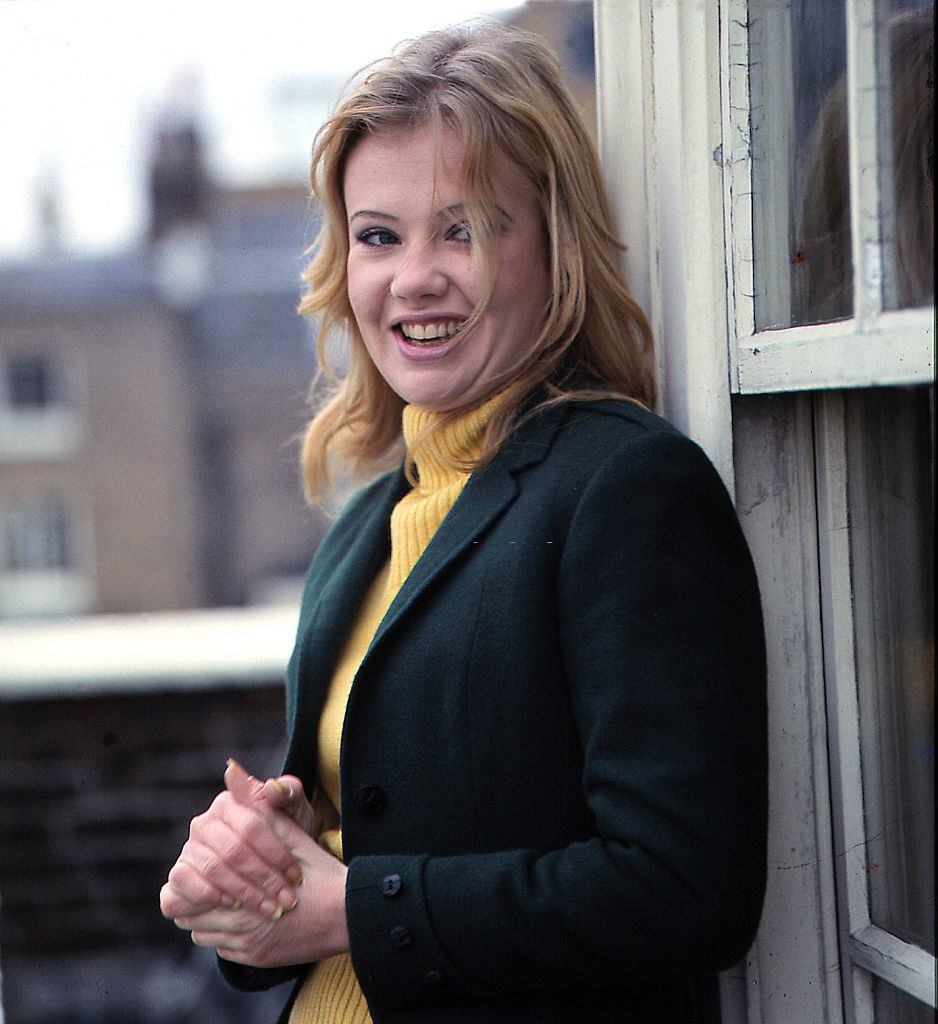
(801, 206)
(895, 1007)
(890, 438)
(906, 45)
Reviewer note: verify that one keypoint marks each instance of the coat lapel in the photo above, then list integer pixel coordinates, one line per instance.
(486, 497)
(325, 625)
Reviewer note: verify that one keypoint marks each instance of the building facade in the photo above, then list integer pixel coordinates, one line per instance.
(150, 405)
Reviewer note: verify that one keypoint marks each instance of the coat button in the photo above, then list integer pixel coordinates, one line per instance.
(401, 936)
(370, 800)
(391, 885)
(433, 978)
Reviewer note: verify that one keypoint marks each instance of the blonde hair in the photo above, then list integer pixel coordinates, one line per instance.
(499, 88)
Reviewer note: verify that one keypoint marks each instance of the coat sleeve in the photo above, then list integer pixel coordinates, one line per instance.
(662, 647)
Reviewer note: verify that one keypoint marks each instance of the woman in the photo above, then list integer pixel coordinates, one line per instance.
(543, 798)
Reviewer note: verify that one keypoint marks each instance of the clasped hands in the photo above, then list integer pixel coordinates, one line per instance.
(252, 883)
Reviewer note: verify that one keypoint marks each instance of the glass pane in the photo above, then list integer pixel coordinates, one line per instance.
(801, 203)
(895, 1007)
(890, 439)
(907, 62)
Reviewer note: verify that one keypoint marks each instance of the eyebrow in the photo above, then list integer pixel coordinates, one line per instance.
(453, 210)
(459, 209)
(372, 213)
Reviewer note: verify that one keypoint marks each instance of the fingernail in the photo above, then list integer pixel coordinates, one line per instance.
(295, 875)
(286, 898)
(282, 789)
(271, 909)
(237, 905)
(228, 903)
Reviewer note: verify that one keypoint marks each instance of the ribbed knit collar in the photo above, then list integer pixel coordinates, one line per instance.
(458, 441)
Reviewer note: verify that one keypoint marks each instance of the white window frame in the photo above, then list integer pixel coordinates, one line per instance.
(673, 105)
(875, 346)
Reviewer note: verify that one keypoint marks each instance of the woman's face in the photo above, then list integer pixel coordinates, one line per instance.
(411, 280)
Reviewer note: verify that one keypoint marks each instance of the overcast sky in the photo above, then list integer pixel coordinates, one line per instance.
(83, 82)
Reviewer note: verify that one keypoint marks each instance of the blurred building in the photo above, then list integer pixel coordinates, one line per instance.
(149, 404)
(98, 490)
(568, 26)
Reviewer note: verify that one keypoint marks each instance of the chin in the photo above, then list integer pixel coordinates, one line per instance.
(436, 397)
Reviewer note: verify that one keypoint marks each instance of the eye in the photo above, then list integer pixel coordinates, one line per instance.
(376, 238)
(459, 232)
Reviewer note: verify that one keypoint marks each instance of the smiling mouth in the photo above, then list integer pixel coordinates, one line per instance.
(429, 334)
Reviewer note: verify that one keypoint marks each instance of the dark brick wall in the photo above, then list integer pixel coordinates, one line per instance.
(96, 795)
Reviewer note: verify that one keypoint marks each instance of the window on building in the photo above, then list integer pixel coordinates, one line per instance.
(837, 134)
(36, 536)
(38, 417)
(32, 382)
(42, 570)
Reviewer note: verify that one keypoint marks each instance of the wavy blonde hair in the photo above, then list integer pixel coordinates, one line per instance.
(499, 89)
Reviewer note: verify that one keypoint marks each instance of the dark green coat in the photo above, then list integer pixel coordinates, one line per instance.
(554, 756)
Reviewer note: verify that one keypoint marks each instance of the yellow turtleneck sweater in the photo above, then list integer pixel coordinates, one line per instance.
(331, 994)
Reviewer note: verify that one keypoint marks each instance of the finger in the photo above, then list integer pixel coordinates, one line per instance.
(281, 793)
(248, 792)
(242, 786)
(212, 940)
(229, 922)
(293, 837)
(203, 896)
(200, 870)
(257, 841)
(174, 903)
(286, 794)
(234, 955)
(238, 850)
(187, 891)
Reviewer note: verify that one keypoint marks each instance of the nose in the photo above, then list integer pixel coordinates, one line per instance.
(419, 274)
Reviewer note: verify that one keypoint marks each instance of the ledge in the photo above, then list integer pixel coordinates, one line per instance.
(186, 650)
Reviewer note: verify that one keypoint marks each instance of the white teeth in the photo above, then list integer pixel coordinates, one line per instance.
(429, 332)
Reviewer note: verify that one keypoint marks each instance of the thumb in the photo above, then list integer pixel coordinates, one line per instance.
(243, 787)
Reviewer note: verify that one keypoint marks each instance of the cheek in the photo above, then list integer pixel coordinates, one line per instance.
(360, 289)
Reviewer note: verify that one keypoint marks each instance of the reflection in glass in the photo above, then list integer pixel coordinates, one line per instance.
(890, 443)
(801, 183)
(907, 59)
(821, 263)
